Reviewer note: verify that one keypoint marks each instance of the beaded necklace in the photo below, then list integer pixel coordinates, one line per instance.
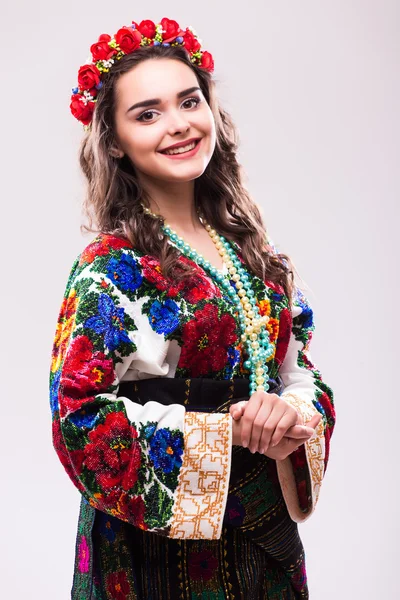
(254, 333)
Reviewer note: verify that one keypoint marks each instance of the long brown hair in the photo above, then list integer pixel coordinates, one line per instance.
(114, 194)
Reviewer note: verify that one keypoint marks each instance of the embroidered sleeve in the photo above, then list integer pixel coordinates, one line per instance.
(155, 466)
(301, 473)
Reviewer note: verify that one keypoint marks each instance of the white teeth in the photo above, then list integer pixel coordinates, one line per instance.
(182, 149)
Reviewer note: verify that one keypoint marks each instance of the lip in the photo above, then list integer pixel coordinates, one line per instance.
(184, 155)
(180, 144)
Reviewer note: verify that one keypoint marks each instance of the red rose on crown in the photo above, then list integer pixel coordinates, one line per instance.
(171, 30)
(207, 61)
(191, 43)
(128, 39)
(88, 77)
(101, 50)
(81, 110)
(147, 28)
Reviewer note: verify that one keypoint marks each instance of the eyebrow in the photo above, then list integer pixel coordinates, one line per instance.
(155, 101)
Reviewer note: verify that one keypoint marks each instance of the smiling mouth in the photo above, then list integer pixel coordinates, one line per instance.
(182, 149)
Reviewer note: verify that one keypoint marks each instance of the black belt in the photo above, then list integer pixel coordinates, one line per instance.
(196, 394)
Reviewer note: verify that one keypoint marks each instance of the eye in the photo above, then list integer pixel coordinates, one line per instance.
(194, 99)
(150, 112)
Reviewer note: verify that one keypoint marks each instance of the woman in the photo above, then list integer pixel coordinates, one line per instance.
(186, 408)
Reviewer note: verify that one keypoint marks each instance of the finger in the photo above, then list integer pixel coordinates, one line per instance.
(260, 419)
(249, 414)
(299, 431)
(313, 422)
(285, 447)
(288, 419)
(269, 427)
(236, 410)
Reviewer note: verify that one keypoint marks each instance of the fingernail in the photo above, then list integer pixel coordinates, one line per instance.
(262, 451)
(244, 444)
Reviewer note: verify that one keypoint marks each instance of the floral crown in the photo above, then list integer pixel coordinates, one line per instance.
(107, 50)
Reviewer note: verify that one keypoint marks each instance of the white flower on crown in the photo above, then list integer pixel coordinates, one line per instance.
(159, 28)
(87, 97)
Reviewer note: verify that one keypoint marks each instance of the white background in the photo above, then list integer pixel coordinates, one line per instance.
(313, 87)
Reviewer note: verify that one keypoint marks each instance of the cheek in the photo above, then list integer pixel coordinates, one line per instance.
(208, 124)
(140, 143)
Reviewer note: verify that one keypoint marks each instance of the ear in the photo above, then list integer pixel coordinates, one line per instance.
(116, 152)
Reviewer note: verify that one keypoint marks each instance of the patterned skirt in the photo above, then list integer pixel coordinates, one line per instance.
(259, 555)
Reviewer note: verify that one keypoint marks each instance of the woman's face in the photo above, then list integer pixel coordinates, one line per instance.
(159, 104)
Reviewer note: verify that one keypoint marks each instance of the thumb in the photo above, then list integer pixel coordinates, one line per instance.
(236, 410)
(313, 422)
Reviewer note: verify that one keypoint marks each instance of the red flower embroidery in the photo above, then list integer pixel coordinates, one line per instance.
(118, 585)
(126, 507)
(202, 565)
(273, 327)
(152, 272)
(101, 246)
(198, 286)
(206, 340)
(71, 460)
(65, 325)
(285, 324)
(274, 286)
(193, 289)
(113, 452)
(85, 373)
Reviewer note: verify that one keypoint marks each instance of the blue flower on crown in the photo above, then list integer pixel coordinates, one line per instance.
(166, 448)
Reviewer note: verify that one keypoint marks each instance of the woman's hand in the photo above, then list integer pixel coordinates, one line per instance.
(270, 425)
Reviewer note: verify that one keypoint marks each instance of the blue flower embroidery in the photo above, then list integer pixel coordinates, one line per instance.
(109, 322)
(84, 418)
(166, 448)
(164, 317)
(307, 317)
(149, 430)
(54, 391)
(233, 359)
(109, 526)
(124, 273)
(233, 356)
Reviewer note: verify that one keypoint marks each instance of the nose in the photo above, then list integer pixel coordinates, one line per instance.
(178, 123)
